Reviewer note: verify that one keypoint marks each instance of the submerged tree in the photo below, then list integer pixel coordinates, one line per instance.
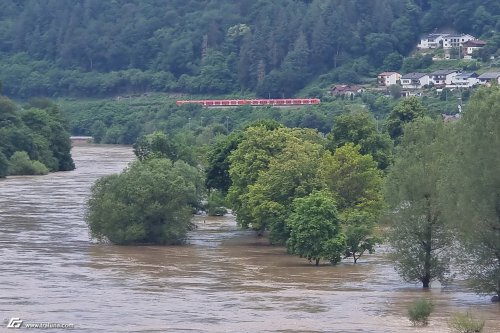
(315, 231)
(150, 202)
(419, 235)
(472, 189)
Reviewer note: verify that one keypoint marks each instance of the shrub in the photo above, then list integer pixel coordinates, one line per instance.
(465, 323)
(216, 204)
(20, 164)
(149, 202)
(419, 312)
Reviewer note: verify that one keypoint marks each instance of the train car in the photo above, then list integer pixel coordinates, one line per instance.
(252, 102)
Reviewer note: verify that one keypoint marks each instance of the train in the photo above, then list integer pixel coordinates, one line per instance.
(252, 102)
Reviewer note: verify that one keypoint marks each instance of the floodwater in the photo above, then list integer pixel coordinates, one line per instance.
(224, 280)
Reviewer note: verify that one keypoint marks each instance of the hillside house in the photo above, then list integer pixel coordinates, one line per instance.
(431, 41)
(465, 80)
(388, 78)
(443, 76)
(451, 41)
(489, 78)
(346, 90)
(446, 41)
(470, 46)
(414, 80)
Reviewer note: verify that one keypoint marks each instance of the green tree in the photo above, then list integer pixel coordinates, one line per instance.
(253, 155)
(315, 231)
(404, 112)
(98, 131)
(472, 190)
(155, 145)
(4, 165)
(20, 164)
(217, 171)
(419, 236)
(353, 179)
(150, 202)
(360, 129)
(291, 174)
(359, 231)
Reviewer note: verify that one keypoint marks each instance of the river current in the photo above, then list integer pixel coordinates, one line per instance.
(224, 280)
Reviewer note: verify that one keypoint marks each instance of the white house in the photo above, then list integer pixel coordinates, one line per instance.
(451, 41)
(443, 76)
(446, 41)
(431, 41)
(388, 78)
(414, 80)
(488, 78)
(465, 80)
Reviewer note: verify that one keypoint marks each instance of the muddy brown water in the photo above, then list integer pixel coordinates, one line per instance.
(224, 280)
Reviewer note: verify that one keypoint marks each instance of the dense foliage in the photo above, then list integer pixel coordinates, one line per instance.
(150, 202)
(274, 48)
(419, 235)
(33, 138)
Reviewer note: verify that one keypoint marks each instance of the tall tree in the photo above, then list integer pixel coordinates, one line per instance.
(419, 235)
(315, 231)
(472, 190)
(404, 112)
(360, 128)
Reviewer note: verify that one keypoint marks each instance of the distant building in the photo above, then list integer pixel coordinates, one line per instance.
(388, 78)
(451, 41)
(489, 78)
(414, 80)
(431, 41)
(465, 80)
(346, 90)
(446, 41)
(470, 46)
(450, 117)
(443, 76)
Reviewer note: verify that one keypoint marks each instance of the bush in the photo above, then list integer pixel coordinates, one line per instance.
(465, 323)
(216, 204)
(20, 164)
(4, 165)
(419, 312)
(148, 203)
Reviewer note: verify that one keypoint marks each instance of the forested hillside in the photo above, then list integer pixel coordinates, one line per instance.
(272, 48)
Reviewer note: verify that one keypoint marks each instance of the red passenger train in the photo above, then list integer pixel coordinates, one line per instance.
(252, 102)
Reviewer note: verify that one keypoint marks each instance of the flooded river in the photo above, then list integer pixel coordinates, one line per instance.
(224, 280)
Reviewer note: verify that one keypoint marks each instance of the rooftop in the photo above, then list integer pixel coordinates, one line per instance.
(489, 75)
(466, 75)
(443, 72)
(413, 76)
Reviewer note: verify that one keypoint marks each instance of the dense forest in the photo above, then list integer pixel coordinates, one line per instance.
(34, 138)
(271, 48)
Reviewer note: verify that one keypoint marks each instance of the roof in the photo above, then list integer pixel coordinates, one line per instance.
(443, 72)
(466, 75)
(345, 88)
(434, 36)
(476, 42)
(387, 73)
(459, 35)
(489, 75)
(413, 76)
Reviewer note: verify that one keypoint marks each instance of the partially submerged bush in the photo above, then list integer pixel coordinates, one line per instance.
(465, 323)
(20, 164)
(419, 312)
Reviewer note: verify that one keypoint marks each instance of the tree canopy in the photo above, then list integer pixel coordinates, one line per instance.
(150, 202)
(273, 48)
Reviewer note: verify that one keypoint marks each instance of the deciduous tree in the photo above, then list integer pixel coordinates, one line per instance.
(419, 234)
(315, 231)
